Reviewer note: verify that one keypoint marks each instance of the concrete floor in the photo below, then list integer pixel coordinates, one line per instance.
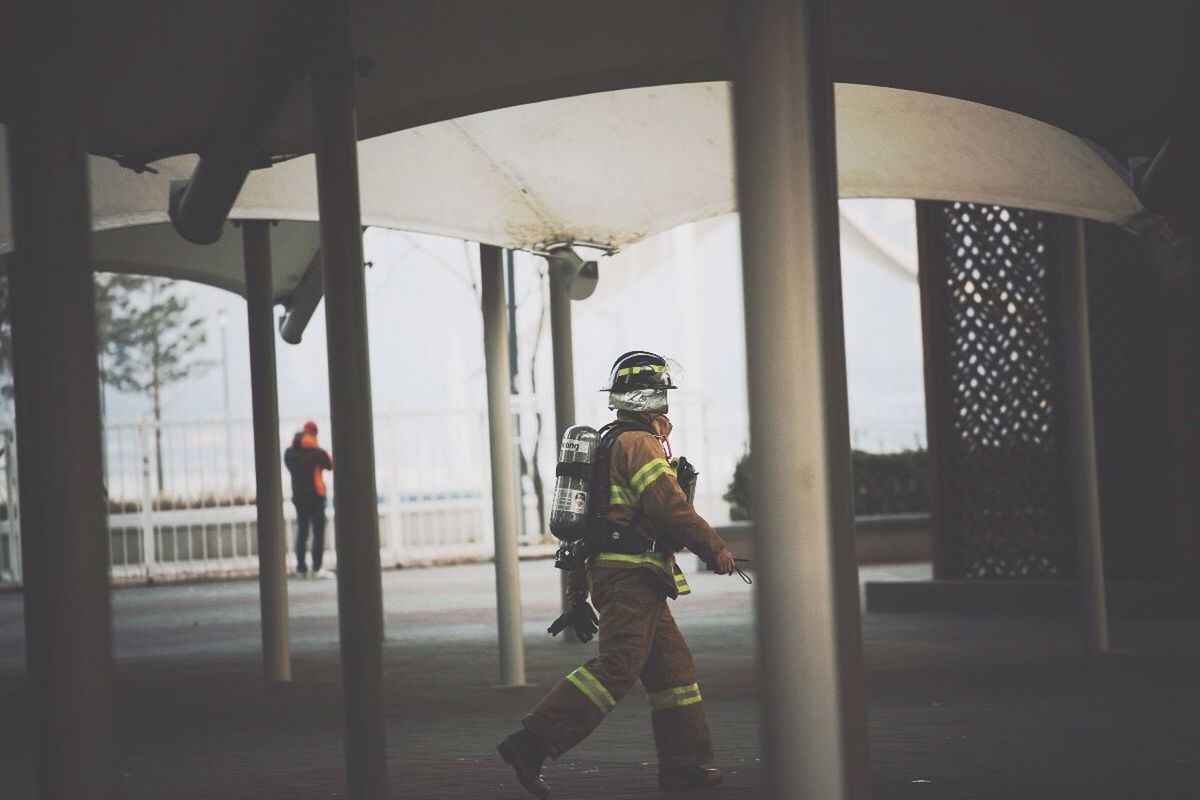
(959, 707)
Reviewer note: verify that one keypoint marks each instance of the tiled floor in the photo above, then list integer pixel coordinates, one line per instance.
(959, 707)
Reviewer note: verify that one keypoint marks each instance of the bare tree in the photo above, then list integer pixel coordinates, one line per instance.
(149, 341)
(107, 288)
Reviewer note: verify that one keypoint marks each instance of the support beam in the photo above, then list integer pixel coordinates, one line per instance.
(1085, 481)
(563, 350)
(359, 577)
(68, 627)
(1182, 297)
(809, 637)
(272, 564)
(303, 303)
(504, 481)
(198, 206)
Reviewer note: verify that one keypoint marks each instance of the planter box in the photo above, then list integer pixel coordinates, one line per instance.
(1125, 599)
(879, 539)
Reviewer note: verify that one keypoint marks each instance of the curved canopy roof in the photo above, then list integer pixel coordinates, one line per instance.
(1116, 73)
(614, 167)
(610, 169)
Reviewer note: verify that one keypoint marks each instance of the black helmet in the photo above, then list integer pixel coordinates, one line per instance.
(640, 369)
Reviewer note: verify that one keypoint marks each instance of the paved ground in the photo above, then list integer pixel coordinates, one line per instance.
(959, 708)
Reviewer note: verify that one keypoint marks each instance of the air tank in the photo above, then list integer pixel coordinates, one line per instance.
(572, 483)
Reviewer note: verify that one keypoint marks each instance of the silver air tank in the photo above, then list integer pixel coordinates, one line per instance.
(572, 483)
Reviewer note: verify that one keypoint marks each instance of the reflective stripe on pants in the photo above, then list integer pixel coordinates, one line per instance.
(592, 689)
(638, 640)
(675, 697)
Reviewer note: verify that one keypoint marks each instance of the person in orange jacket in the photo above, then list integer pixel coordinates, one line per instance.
(631, 573)
(307, 462)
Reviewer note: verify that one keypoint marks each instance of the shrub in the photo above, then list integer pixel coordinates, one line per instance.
(128, 506)
(891, 483)
(738, 496)
(884, 483)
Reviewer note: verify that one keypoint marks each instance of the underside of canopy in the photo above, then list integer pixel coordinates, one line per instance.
(156, 249)
(610, 169)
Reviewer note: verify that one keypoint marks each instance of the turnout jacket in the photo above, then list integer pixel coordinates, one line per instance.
(645, 497)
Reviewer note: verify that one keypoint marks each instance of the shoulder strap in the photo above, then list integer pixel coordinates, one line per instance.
(607, 437)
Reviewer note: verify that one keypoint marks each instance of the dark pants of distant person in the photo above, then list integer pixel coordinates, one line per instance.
(310, 511)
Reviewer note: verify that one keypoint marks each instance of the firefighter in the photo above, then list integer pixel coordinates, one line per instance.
(631, 572)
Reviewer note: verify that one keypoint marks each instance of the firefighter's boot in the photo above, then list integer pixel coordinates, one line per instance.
(686, 779)
(525, 753)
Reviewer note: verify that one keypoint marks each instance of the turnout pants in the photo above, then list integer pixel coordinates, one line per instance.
(638, 640)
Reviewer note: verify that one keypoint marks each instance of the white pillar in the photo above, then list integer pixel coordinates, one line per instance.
(809, 635)
(359, 573)
(272, 549)
(1085, 483)
(562, 346)
(68, 627)
(504, 483)
(146, 500)
(10, 498)
(394, 530)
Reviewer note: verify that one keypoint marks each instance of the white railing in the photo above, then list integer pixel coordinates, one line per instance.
(432, 472)
(191, 511)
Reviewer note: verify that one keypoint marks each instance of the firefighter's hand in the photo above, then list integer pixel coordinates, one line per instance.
(722, 562)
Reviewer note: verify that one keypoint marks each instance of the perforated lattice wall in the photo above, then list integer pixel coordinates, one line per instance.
(990, 288)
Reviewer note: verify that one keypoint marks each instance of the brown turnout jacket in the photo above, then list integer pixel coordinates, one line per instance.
(646, 497)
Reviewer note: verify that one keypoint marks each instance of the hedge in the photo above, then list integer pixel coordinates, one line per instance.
(884, 483)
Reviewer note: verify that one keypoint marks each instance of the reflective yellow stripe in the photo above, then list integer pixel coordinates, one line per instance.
(681, 584)
(592, 689)
(650, 472)
(618, 495)
(657, 559)
(675, 697)
(641, 368)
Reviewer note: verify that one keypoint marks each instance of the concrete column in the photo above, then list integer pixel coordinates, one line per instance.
(1085, 484)
(562, 348)
(504, 479)
(359, 577)
(272, 547)
(809, 636)
(937, 405)
(10, 499)
(68, 628)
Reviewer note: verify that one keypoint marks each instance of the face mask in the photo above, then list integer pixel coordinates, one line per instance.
(643, 400)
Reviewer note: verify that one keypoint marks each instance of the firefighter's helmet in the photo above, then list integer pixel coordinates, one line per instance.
(639, 381)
